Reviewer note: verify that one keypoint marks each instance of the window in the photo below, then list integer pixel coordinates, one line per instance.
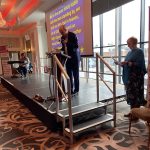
(109, 28)
(124, 50)
(131, 20)
(147, 4)
(146, 53)
(130, 26)
(96, 32)
(109, 52)
(146, 62)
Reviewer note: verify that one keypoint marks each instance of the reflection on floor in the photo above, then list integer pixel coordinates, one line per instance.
(20, 130)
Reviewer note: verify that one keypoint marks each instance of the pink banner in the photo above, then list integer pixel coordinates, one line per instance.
(4, 55)
(6, 67)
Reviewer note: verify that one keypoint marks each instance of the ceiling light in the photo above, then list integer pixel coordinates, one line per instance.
(2, 21)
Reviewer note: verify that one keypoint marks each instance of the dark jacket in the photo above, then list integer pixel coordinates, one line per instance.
(72, 44)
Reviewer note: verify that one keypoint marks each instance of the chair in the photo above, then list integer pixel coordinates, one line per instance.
(141, 113)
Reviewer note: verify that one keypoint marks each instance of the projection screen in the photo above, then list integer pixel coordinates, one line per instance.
(76, 15)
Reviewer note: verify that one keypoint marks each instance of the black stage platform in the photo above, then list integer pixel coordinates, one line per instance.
(26, 88)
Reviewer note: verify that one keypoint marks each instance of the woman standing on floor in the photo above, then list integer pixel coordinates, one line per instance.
(133, 75)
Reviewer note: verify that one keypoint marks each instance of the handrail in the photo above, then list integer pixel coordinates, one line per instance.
(92, 71)
(61, 67)
(98, 57)
(102, 73)
(111, 56)
(63, 93)
(57, 62)
(102, 59)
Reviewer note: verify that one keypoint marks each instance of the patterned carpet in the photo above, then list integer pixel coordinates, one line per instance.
(21, 130)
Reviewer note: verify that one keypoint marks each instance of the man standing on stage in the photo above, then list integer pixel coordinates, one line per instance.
(70, 47)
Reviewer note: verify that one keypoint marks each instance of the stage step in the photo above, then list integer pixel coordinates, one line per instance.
(89, 124)
(80, 109)
(118, 99)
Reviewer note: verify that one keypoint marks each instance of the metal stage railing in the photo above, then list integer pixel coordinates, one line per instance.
(71, 111)
(98, 75)
(58, 65)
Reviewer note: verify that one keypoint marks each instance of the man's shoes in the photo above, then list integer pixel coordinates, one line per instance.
(74, 93)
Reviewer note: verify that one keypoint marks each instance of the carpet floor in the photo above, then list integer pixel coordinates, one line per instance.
(21, 130)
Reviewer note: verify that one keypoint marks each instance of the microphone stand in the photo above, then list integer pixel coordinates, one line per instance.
(50, 55)
(51, 80)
